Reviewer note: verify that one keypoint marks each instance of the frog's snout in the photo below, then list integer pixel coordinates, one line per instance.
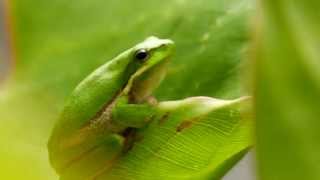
(168, 45)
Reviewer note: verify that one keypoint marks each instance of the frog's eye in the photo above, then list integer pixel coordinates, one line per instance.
(142, 55)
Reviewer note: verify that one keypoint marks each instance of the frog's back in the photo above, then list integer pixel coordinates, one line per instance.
(92, 95)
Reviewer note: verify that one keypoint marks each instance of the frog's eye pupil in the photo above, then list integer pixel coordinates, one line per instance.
(142, 55)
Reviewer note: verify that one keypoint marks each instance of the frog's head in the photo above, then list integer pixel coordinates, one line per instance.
(150, 59)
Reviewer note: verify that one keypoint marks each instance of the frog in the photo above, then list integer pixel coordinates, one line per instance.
(105, 108)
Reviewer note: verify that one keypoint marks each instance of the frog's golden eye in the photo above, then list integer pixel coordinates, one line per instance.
(142, 55)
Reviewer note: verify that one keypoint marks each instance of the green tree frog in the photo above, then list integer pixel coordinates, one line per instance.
(106, 105)
(103, 120)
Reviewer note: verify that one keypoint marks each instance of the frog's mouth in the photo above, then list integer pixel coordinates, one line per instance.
(143, 83)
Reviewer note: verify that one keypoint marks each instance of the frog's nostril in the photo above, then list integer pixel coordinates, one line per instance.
(165, 47)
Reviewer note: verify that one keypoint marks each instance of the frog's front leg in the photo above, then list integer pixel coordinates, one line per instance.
(133, 115)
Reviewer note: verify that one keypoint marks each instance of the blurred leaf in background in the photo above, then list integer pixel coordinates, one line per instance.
(288, 90)
(57, 43)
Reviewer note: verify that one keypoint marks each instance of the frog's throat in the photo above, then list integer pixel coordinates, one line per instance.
(143, 85)
(146, 83)
(135, 76)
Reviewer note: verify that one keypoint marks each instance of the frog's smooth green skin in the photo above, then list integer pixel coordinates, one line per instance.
(85, 127)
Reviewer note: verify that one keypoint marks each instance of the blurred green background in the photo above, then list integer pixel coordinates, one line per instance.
(288, 90)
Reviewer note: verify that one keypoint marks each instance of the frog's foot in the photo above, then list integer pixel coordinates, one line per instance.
(130, 136)
(151, 100)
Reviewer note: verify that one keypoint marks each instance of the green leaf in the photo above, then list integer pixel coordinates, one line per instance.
(57, 43)
(288, 90)
(194, 138)
(191, 142)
